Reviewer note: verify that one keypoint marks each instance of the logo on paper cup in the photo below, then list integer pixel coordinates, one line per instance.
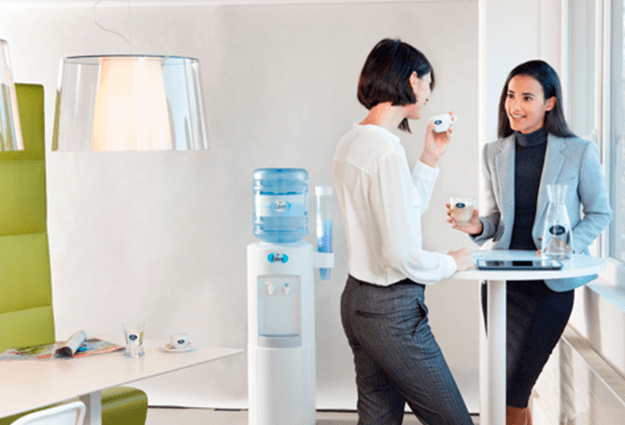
(460, 205)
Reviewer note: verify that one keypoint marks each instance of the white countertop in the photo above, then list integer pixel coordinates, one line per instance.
(29, 384)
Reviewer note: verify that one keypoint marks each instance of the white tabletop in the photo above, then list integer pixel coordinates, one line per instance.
(578, 265)
(29, 384)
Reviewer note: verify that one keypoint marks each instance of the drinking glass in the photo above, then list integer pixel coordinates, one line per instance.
(134, 338)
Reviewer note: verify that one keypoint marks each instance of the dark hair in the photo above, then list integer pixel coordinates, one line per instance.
(385, 77)
(541, 71)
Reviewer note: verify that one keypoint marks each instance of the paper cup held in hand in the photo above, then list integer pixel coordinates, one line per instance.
(462, 209)
(442, 122)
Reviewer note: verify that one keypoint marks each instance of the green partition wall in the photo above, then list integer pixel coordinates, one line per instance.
(26, 316)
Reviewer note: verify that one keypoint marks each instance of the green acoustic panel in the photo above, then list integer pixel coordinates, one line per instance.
(26, 316)
(30, 106)
(24, 272)
(24, 328)
(22, 197)
(10, 419)
(124, 406)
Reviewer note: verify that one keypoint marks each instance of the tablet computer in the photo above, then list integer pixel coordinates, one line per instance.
(518, 264)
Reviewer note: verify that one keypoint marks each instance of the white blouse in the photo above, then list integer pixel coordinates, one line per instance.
(382, 203)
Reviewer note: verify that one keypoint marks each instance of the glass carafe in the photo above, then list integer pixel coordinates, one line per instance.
(557, 241)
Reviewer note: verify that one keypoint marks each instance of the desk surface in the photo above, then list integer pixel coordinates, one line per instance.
(578, 265)
(29, 384)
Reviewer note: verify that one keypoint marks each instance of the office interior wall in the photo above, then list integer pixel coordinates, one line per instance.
(162, 236)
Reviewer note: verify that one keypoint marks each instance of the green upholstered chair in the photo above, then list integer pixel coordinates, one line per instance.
(26, 316)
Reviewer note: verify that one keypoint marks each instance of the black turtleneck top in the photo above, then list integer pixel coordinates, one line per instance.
(528, 168)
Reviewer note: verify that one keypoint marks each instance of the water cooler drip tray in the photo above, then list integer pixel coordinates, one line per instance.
(280, 341)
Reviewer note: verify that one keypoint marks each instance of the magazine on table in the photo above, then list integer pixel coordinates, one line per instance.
(78, 345)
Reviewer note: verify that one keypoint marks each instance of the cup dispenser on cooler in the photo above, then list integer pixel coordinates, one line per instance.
(281, 296)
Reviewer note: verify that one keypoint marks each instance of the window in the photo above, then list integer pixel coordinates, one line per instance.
(616, 150)
(594, 86)
(582, 88)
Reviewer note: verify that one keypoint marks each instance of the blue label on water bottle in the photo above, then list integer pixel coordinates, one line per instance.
(285, 205)
(277, 258)
(280, 206)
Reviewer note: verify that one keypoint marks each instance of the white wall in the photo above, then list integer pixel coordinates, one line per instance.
(512, 32)
(162, 236)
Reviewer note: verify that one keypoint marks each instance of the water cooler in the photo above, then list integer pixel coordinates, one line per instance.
(281, 297)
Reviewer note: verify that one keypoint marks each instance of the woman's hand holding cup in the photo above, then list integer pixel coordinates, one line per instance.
(435, 144)
(473, 227)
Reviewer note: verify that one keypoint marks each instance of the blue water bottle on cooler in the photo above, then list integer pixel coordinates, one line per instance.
(280, 204)
(324, 225)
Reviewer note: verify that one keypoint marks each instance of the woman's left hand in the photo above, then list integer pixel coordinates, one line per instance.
(435, 144)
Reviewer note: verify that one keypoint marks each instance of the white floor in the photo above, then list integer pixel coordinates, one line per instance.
(168, 416)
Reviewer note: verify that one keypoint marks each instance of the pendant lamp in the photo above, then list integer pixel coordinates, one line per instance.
(10, 129)
(130, 103)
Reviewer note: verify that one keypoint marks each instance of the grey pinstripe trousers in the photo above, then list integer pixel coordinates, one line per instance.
(396, 356)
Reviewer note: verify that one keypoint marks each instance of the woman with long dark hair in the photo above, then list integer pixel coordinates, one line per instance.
(383, 308)
(536, 148)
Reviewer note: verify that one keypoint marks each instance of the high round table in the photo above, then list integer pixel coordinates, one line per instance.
(493, 346)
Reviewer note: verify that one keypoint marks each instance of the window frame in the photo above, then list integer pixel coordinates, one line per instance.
(608, 44)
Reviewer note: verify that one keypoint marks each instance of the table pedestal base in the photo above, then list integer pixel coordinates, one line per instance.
(493, 357)
(93, 402)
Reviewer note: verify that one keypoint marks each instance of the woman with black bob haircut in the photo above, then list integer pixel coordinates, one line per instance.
(383, 310)
(536, 148)
(382, 80)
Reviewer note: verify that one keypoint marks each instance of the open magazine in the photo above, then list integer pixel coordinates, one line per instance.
(78, 345)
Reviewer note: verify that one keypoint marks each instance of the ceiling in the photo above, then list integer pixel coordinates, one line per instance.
(145, 3)
(133, 3)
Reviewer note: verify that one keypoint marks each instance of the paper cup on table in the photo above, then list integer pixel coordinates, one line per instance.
(179, 340)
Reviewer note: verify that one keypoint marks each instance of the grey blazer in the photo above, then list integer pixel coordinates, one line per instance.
(570, 161)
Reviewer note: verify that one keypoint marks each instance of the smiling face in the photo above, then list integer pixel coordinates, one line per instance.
(526, 105)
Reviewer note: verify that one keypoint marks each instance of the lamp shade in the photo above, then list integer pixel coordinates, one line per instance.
(130, 103)
(10, 130)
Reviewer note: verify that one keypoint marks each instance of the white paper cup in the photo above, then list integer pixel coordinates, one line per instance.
(179, 340)
(442, 122)
(462, 209)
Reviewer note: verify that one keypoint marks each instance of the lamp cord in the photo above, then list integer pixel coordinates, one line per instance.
(93, 18)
